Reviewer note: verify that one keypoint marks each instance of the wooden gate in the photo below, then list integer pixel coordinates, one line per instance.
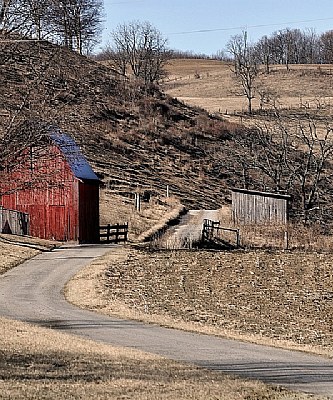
(113, 233)
(212, 230)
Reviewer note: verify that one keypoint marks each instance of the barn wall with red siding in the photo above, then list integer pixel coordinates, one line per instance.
(60, 205)
(48, 193)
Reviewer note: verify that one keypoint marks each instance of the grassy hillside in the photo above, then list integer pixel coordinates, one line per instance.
(291, 125)
(142, 140)
(136, 140)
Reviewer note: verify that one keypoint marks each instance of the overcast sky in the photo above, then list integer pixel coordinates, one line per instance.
(205, 26)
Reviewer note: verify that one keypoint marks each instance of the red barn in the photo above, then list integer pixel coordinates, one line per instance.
(55, 185)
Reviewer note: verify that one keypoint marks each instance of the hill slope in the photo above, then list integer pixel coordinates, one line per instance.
(135, 140)
(144, 140)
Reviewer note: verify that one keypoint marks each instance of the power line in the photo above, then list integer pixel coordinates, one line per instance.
(250, 26)
(126, 2)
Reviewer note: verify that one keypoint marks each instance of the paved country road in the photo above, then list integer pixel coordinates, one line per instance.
(32, 292)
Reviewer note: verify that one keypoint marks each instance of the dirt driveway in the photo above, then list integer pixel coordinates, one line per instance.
(33, 292)
(189, 229)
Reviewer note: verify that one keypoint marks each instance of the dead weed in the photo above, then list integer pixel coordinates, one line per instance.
(37, 363)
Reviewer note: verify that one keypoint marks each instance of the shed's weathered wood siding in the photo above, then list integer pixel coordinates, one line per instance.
(14, 222)
(251, 207)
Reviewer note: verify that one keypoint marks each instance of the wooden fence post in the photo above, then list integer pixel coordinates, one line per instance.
(117, 233)
(237, 238)
(137, 200)
(286, 240)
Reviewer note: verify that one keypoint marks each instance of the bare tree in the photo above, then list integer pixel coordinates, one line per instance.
(311, 47)
(75, 24)
(283, 46)
(245, 65)
(27, 114)
(29, 18)
(311, 173)
(294, 158)
(326, 45)
(25, 17)
(264, 52)
(288, 46)
(139, 49)
(4, 5)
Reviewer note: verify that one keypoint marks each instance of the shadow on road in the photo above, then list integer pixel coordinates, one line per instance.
(277, 372)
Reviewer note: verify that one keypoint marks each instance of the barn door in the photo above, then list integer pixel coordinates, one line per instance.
(58, 223)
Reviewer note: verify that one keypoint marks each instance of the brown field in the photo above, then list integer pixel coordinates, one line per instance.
(210, 84)
(271, 297)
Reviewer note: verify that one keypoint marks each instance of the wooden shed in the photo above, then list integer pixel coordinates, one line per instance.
(254, 207)
(14, 222)
(55, 185)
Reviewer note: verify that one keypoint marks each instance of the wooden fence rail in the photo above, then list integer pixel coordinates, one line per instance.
(210, 227)
(113, 233)
(14, 222)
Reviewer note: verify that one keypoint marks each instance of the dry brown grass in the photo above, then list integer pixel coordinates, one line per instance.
(269, 297)
(11, 255)
(16, 249)
(285, 237)
(37, 363)
(151, 217)
(210, 84)
(291, 236)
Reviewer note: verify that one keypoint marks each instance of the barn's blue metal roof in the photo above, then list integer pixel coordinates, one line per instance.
(72, 152)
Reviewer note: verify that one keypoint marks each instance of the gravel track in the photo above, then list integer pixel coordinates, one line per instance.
(189, 230)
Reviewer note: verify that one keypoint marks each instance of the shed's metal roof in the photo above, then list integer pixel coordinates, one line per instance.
(72, 152)
(263, 194)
